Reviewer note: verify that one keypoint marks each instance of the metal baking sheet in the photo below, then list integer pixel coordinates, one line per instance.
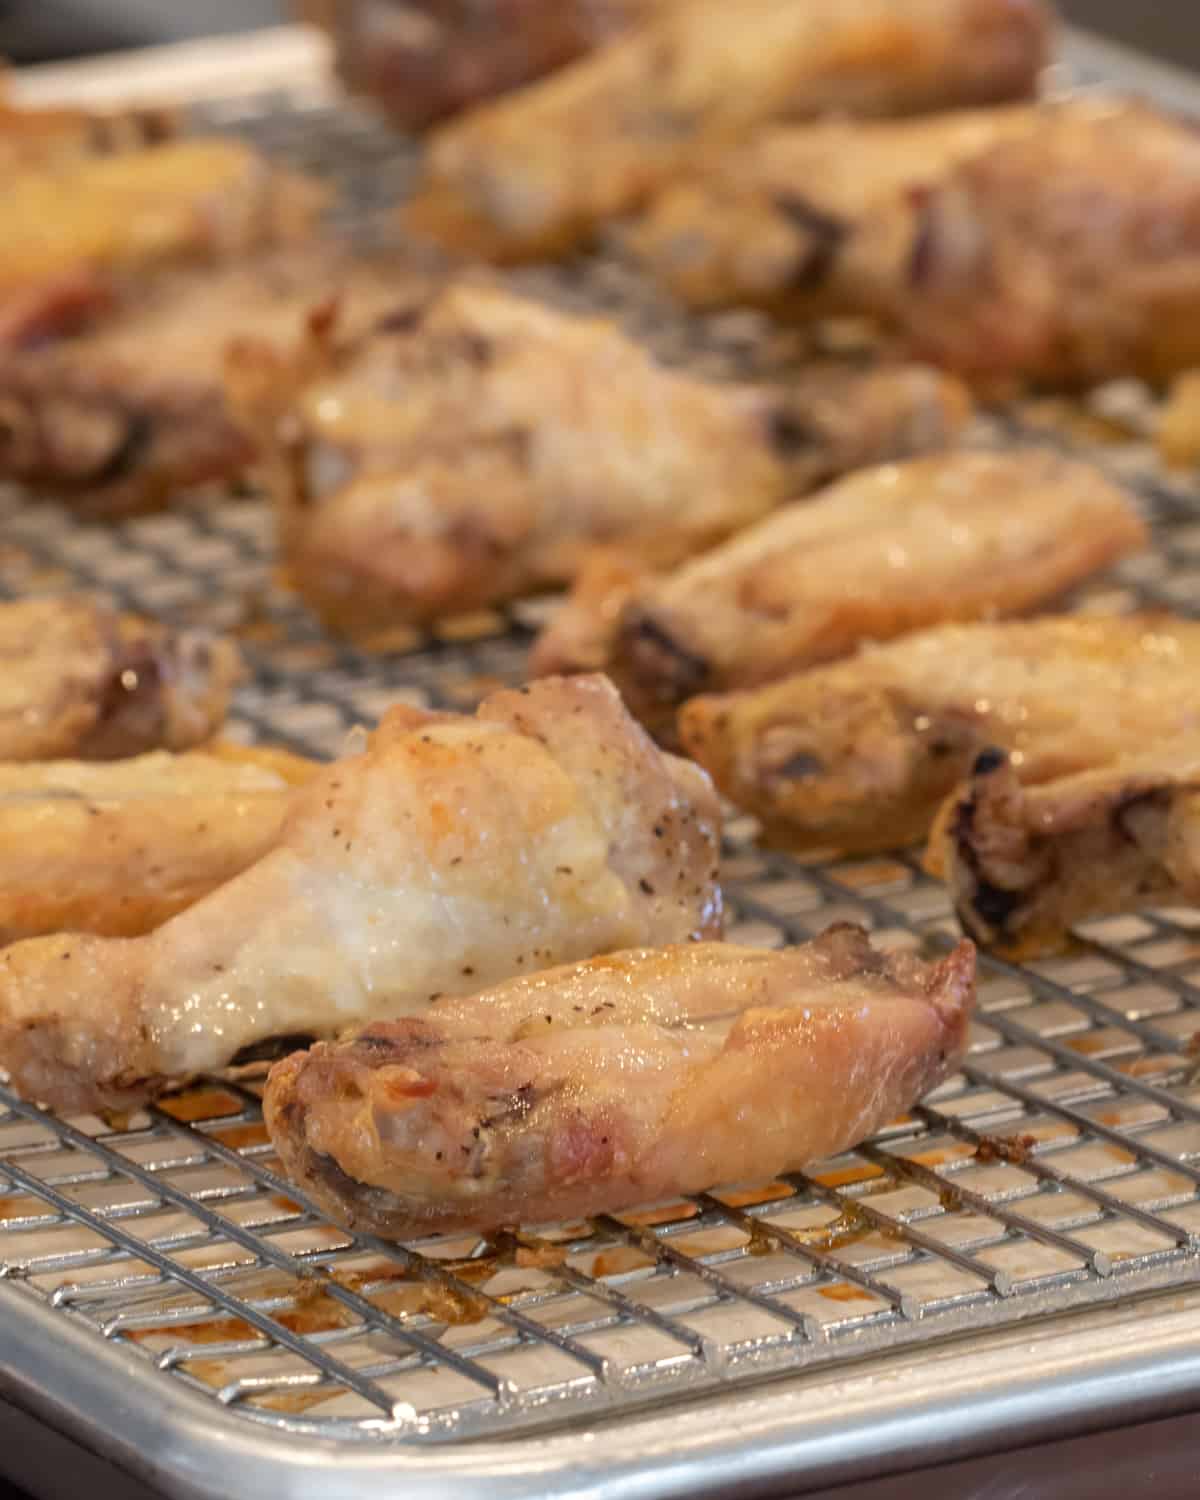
(1017, 1257)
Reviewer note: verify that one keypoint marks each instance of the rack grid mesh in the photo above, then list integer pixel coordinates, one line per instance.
(1059, 1169)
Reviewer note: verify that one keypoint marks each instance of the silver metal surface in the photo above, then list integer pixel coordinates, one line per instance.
(1017, 1258)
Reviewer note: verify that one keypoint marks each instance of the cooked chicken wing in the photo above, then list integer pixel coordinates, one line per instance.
(118, 848)
(1071, 255)
(121, 419)
(812, 219)
(83, 681)
(425, 59)
(452, 852)
(623, 1080)
(956, 536)
(58, 133)
(537, 173)
(1025, 863)
(860, 754)
(483, 446)
(71, 229)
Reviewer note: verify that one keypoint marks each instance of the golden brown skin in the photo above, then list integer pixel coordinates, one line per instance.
(536, 174)
(811, 219)
(1070, 256)
(860, 754)
(79, 680)
(117, 848)
(121, 419)
(484, 446)
(619, 1081)
(62, 133)
(74, 232)
(961, 535)
(454, 851)
(1025, 863)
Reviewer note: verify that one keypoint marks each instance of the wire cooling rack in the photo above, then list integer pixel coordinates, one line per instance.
(1059, 1170)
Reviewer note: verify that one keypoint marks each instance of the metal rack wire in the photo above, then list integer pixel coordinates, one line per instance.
(1059, 1170)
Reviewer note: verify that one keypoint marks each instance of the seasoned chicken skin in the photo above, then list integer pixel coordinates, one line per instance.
(80, 680)
(1071, 255)
(598, 1086)
(956, 536)
(1025, 863)
(117, 848)
(452, 852)
(74, 231)
(860, 754)
(812, 219)
(538, 172)
(483, 446)
(121, 419)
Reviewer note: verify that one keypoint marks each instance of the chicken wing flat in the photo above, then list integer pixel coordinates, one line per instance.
(859, 755)
(482, 447)
(427, 59)
(813, 219)
(117, 848)
(537, 173)
(119, 420)
(1067, 256)
(73, 231)
(80, 680)
(956, 536)
(602, 1085)
(452, 852)
(1025, 863)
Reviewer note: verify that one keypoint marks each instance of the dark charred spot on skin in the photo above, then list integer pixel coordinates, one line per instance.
(506, 1109)
(271, 1049)
(823, 237)
(669, 669)
(790, 435)
(989, 906)
(803, 763)
(645, 887)
(989, 761)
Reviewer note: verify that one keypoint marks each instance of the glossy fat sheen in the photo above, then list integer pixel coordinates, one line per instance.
(189, 200)
(538, 172)
(957, 536)
(860, 754)
(80, 680)
(118, 848)
(454, 851)
(484, 447)
(621, 1081)
(119, 419)
(1025, 863)
(835, 420)
(812, 219)
(1072, 255)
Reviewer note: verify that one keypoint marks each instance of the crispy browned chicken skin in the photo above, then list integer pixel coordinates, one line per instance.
(76, 233)
(1025, 863)
(485, 445)
(812, 219)
(454, 851)
(960, 535)
(80, 680)
(860, 754)
(122, 418)
(1067, 256)
(618, 1081)
(117, 848)
(537, 173)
